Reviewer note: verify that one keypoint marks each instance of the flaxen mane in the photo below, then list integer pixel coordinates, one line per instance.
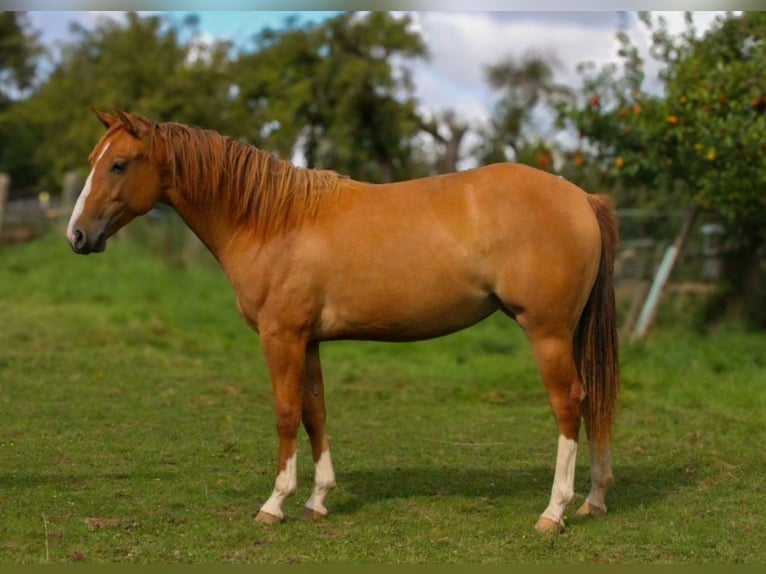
(259, 189)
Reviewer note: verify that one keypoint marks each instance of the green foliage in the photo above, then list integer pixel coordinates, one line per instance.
(718, 95)
(524, 84)
(138, 428)
(699, 141)
(141, 65)
(19, 48)
(333, 89)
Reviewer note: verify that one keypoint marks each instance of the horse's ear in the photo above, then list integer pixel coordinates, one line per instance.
(107, 119)
(138, 126)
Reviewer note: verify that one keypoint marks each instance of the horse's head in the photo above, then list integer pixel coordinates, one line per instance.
(124, 182)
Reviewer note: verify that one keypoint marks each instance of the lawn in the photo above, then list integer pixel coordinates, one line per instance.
(137, 427)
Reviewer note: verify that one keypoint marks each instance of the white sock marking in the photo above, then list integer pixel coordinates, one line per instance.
(285, 485)
(324, 482)
(563, 480)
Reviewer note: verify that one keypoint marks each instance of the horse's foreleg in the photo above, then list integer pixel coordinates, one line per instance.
(557, 368)
(286, 358)
(314, 417)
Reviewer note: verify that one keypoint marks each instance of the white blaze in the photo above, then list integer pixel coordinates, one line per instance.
(80, 205)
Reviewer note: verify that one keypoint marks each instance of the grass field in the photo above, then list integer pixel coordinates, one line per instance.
(137, 427)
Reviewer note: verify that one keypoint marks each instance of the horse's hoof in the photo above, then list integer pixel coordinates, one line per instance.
(588, 509)
(311, 514)
(548, 526)
(266, 518)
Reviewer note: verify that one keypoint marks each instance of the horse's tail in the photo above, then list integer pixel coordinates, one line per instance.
(596, 346)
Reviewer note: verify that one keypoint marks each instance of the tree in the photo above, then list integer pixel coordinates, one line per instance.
(699, 141)
(448, 131)
(19, 50)
(140, 64)
(331, 92)
(524, 84)
(335, 92)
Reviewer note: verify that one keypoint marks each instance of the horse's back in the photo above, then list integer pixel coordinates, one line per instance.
(500, 197)
(430, 256)
(524, 225)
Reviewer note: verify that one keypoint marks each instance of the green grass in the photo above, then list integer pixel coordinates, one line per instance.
(137, 427)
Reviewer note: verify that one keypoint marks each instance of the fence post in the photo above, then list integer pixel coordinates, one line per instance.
(69, 190)
(5, 188)
(636, 303)
(652, 303)
(72, 186)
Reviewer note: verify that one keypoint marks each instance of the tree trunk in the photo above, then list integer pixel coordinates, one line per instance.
(743, 291)
(450, 143)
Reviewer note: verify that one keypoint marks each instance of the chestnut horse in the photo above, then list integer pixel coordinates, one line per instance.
(315, 256)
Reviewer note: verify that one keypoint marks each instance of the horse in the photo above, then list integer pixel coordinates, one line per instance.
(315, 256)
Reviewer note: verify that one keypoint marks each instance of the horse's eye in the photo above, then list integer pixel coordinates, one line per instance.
(119, 166)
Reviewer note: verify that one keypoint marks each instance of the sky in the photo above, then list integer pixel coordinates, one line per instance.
(461, 43)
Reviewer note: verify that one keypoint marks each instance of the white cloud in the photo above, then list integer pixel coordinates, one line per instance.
(97, 15)
(201, 48)
(676, 24)
(462, 44)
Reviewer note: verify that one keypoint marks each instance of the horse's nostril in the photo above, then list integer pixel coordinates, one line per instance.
(79, 238)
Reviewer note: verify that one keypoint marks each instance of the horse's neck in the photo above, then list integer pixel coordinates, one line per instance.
(210, 225)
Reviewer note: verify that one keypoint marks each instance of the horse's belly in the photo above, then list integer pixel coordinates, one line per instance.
(409, 317)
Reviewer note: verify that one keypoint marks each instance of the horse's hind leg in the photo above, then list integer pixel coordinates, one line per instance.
(600, 474)
(314, 416)
(555, 361)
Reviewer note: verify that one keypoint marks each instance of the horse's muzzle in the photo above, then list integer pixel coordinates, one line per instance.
(82, 244)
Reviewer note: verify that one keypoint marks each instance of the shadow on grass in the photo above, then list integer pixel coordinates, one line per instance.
(634, 486)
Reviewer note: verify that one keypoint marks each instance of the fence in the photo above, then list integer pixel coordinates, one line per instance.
(21, 219)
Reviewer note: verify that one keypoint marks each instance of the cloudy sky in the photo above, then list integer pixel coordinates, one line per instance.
(461, 43)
